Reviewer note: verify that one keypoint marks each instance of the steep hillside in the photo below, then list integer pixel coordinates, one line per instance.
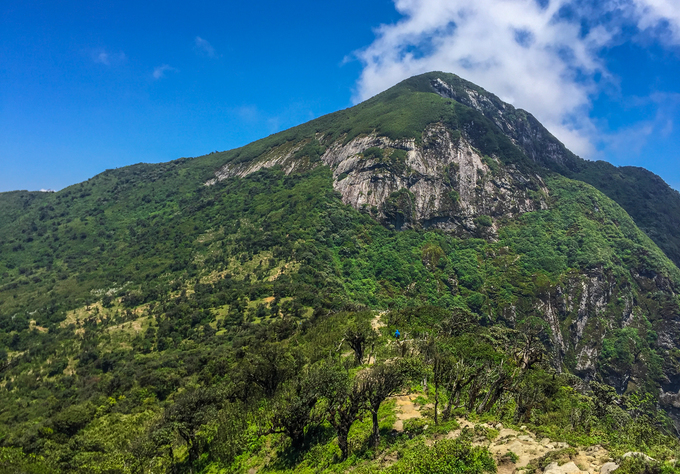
(653, 204)
(228, 285)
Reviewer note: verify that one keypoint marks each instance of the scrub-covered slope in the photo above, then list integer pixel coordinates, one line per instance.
(121, 295)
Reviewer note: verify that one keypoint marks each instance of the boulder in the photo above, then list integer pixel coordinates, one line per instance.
(568, 468)
(608, 467)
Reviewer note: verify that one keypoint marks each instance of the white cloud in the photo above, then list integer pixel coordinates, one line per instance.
(655, 14)
(204, 47)
(108, 59)
(103, 58)
(159, 72)
(535, 55)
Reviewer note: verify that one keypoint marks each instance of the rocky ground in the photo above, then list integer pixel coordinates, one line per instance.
(520, 451)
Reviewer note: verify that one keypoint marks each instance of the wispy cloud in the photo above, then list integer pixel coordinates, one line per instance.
(660, 17)
(159, 72)
(540, 55)
(204, 47)
(108, 59)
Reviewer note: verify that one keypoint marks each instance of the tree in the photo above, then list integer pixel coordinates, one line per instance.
(14, 460)
(460, 322)
(383, 380)
(231, 430)
(358, 335)
(293, 408)
(192, 409)
(269, 367)
(346, 401)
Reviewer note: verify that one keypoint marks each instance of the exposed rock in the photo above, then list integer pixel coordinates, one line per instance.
(638, 455)
(608, 467)
(443, 182)
(567, 468)
(448, 182)
(521, 127)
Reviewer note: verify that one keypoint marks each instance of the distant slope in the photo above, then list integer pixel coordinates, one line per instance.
(653, 204)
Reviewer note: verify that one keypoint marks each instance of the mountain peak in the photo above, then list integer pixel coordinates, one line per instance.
(404, 117)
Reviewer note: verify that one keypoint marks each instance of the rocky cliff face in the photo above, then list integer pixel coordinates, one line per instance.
(521, 127)
(587, 307)
(442, 182)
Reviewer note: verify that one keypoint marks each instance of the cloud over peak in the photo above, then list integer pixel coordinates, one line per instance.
(542, 56)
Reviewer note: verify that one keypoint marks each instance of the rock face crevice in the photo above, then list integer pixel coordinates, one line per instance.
(590, 306)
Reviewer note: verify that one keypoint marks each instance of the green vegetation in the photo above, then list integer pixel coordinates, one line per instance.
(151, 323)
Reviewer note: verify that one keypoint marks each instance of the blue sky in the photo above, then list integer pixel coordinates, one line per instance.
(86, 86)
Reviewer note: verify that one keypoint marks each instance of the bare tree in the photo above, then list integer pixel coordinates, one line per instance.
(358, 336)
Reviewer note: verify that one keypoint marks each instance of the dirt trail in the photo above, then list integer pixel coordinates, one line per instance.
(376, 323)
(406, 410)
(525, 446)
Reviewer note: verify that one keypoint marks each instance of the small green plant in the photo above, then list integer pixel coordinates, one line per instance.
(420, 400)
(482, 431)
(530, 468)
(640, 465)
(560, 456)
(491, 163)
(483, 221)
(373, 153)
(415, 426)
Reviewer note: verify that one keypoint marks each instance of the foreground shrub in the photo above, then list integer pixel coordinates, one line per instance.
(445, 457)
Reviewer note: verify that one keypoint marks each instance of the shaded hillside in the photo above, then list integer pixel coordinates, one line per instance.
(653, 204)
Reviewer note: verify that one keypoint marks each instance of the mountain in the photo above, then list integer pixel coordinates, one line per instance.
(148, 311)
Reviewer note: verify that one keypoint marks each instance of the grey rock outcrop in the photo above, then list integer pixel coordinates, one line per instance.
(443, 182)
(567, 468)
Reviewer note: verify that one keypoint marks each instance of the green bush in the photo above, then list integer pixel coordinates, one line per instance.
(483, 221)
(449, 456)
(640, 465)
